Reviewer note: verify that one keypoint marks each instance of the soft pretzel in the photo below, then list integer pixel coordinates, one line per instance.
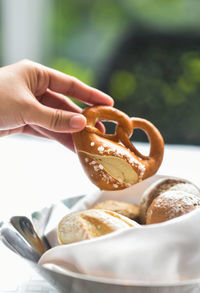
(111, 161)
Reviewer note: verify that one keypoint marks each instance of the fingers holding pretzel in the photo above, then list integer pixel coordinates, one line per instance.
(111, 161)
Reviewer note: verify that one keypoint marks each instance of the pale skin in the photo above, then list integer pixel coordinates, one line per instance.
(33, 101)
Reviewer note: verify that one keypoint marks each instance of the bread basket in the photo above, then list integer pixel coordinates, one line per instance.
(80, 283)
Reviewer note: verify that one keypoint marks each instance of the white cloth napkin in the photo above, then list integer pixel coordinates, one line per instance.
(166, 252)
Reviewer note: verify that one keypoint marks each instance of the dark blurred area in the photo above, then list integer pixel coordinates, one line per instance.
(156, 76)
(144, 53)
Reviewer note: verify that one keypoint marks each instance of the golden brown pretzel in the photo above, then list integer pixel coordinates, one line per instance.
(109, 164)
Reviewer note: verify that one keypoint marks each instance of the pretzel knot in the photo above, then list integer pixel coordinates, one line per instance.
(124, 128)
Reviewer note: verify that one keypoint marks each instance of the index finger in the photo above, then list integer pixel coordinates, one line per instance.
(71, 86)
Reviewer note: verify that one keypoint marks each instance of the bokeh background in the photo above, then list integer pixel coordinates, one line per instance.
(144, 53)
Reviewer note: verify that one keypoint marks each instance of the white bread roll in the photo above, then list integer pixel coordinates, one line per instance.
(87, 224)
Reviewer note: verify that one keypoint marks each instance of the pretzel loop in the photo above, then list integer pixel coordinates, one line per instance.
(98, 113)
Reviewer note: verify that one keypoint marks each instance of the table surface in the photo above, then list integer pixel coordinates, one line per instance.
(36, 173)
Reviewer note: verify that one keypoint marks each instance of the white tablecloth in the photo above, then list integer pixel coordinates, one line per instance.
(36, 172)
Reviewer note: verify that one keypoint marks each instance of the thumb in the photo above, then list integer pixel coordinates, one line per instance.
(57, 120)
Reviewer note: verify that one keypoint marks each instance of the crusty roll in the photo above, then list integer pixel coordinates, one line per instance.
(88, 224)
(171, 204)
(111, 161)
(126, 209)
(161, 186)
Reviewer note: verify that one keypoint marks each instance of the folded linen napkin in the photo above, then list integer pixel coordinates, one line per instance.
(166, 252)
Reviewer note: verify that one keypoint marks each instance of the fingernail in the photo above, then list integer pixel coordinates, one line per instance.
(112, 102)
(77, 121)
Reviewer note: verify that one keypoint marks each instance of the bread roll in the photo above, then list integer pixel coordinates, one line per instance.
(171, 204)
(126, 209)
(161, 186)
(89, 224)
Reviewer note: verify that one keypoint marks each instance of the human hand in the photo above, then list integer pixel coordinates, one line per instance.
(33, 101)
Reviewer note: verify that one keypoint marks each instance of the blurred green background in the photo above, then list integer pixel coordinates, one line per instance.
(145, 54)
